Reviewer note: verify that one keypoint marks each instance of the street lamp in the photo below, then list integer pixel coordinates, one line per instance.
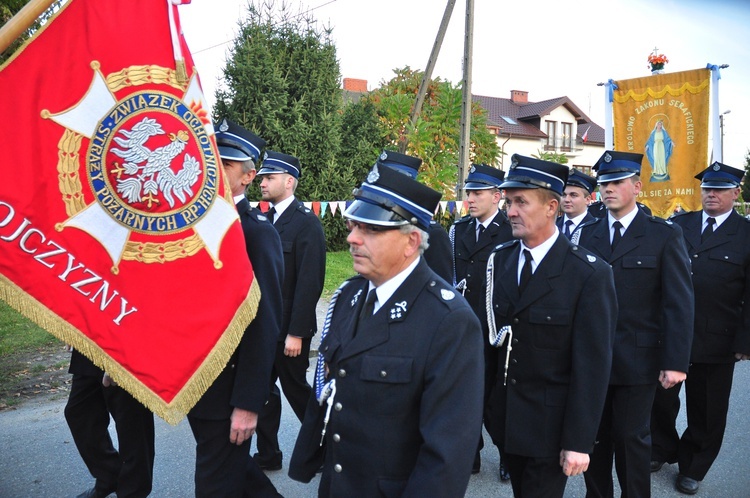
(721, 127)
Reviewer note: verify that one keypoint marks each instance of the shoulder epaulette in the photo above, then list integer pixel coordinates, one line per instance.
(463, 220)
(585, 255)
(681, 213)
(656, 219)
(506, 245)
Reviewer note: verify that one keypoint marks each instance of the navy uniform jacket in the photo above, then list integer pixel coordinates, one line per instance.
(655, 297)
(470, 255)
(244, 382)
(563, 328)
(408, 405)
(304, 246)
(721, 280)
(438, 255)
(586, 219)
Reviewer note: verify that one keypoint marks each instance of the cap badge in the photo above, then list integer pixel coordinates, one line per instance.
(513, 163)
(473, 169)
(384, 156)
(265, 156)
(607, 158)
(447, 295)
(373, 176)
(224, 126)
(716, 167)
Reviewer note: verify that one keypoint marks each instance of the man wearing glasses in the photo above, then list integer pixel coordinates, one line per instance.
(399, 377)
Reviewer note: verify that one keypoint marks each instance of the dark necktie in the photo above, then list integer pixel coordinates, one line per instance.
(708, 230)
(617, 226)
(480, 231)
(568, 225)
(369, 304)
(271, 214)
(525, 271)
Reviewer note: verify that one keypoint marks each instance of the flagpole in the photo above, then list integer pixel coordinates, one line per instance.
(21, 22)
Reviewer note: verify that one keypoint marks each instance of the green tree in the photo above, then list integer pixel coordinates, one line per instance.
(436, 134)
(745, 193)
(282, 80)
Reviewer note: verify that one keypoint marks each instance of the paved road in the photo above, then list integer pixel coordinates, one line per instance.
(38, 458)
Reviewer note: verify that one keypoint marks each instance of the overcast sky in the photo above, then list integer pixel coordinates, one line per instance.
(548, 48)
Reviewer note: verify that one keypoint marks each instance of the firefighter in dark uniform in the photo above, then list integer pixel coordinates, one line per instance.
(654, 325)
(399, 378)
(225, 418)
(438, 255)
(304, 246)
(575, 202)
(553, 317)
(718, 242)
(472, 239)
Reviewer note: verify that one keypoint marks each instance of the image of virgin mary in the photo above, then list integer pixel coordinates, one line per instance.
(658, 150)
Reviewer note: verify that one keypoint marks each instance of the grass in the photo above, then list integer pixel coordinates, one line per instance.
(338, 269)
(18, 334)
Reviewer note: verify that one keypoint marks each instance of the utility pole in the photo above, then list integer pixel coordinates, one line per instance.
(428, 73)
(465, 125)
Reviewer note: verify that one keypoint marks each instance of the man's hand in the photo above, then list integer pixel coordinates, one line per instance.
(292, 346)
(742, 356)
(242, 428)
(107, 380)
(573, 463)
(670, 378)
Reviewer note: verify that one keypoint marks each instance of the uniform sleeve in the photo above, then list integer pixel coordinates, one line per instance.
(742, 339)
(450, 409)
(310, 267)
(677, 304)
(257, 348)
(439, 254)
(594, 325)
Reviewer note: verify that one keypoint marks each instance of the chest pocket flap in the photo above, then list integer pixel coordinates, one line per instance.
(639, 262)
(549, 316)
(387, 369)
(726, 256)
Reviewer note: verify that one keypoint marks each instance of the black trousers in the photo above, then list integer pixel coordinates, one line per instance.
(535, 477)
(292, 375)
(707, 391)
(624, 432)
(223, 469)
(129, 470)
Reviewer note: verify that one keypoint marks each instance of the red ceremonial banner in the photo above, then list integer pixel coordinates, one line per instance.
(117, 233)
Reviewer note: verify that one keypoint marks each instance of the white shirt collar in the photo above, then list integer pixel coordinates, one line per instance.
(281, 206)
(386, 289)
(538, 253)
(576, 220)
(486, 222)
(719, 219)
(238, 198)
(625, 221)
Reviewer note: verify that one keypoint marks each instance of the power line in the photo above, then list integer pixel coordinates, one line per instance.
(294, 17)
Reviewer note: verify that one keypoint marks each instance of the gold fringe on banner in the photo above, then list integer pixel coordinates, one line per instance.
(194, 388)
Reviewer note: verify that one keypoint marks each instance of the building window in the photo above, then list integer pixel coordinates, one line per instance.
(551, 135)
(509, 120)
(567, 137)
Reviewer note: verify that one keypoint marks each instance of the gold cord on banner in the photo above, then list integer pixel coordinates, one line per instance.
(650, 93)
(193, 389)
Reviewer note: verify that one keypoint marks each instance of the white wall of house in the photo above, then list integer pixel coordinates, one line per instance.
(579, 155)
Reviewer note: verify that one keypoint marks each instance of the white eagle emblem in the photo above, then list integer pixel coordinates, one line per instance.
(591, 258)
(148, 171)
